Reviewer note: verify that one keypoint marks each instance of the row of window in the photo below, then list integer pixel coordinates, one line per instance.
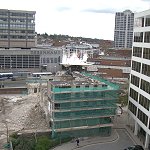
(136, 66)
(50, 60)
(21, 14)
(122, 27)
(4, 25)
(139, 22)
(138, 37)
(20, 61)
(17, 31)
(86, 95)
(16, 37)
(142, 101)
(16, 14)
(82, 104)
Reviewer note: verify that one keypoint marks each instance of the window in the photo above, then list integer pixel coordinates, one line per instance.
(44, 60)
(146, 53)
(137, 51)
(133, 94)
(144, 102)
(146, 69)
(145, 86)
(138, 37)
(136, 66)
(59, 59)
(135, 80)
(47, 60)
(57, 106)
(139, 22)
(147, 37)
(142, 117)
(51, 60)
(147, 22)
(132, 108)
(55, 60)
(77, 86)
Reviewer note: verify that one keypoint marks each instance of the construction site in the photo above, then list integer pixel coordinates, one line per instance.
(81, 105)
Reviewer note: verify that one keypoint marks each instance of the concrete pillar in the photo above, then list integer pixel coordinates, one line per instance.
(136, 126)
(146, 141)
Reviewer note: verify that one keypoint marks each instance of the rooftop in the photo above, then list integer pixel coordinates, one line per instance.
(82, 82)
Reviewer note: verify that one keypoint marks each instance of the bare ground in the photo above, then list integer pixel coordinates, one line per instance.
(20, 113)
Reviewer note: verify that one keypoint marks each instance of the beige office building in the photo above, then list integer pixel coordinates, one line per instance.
(17, 29)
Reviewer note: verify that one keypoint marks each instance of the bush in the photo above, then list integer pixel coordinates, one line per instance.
(43, 143)
(23, 142)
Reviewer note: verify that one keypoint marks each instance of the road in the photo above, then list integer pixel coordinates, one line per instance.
(123, 142)
(9, 83)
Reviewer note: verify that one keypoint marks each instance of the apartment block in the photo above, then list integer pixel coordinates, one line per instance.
(123, 33)
(139, 90)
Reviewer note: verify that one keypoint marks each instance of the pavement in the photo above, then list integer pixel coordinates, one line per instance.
(120, 122)
(88, 141)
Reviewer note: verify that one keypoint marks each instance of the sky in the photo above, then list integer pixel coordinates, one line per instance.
(82, 18)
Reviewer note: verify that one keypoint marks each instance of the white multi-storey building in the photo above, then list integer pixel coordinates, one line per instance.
(17, 29)
(139, 91)
(123, 33)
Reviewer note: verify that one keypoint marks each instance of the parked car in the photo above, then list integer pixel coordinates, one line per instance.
(135, 147)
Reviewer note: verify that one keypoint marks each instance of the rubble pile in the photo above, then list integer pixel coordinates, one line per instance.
(21, 112)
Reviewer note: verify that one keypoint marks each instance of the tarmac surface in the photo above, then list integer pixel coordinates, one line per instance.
(120, 132)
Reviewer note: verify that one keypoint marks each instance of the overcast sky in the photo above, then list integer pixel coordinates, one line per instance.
(86, 18)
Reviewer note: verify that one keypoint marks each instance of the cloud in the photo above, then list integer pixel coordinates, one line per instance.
(109, 11)
(61, 9)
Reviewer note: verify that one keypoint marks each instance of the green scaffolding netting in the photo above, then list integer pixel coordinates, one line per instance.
(92, 108)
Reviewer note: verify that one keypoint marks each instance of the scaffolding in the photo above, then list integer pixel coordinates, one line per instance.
(83, 111)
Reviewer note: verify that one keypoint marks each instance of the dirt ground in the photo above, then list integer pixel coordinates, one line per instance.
(20, 113)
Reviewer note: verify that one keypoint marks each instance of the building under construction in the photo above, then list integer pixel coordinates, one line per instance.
(81, 105)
